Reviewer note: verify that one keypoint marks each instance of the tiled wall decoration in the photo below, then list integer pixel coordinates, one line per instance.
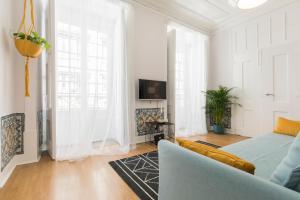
(144, 115)
(12, 129)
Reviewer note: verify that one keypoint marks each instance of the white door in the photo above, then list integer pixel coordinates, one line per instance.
(247, 82)
(281, 84)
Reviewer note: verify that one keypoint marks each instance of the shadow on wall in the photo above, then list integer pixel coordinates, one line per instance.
(5, 39)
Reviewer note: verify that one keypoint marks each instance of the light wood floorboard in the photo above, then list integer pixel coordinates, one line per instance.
(88, 179)
(220, 140)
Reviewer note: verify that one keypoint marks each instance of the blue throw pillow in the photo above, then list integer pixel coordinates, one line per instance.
(284, 170)
(294, 180)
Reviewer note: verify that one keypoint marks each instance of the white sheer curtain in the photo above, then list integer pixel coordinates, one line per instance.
(190, 82)
(91, 78)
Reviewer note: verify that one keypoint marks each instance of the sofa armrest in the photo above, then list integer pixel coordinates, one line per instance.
(186, 175)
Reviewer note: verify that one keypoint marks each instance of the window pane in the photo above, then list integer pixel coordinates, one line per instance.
(97, 70)
(179, 83)
(68, 67)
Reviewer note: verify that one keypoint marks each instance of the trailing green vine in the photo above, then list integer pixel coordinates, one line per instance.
(33, 37)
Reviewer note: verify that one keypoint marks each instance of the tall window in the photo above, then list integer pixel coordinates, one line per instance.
(190, 81)
(90, 76)
(97, 56)
(68, 66)
(179, 78)
(74, 74)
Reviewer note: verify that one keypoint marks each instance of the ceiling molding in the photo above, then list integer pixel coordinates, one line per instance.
(222, 5)
(244, 16)
(213, 15)
(179, 13)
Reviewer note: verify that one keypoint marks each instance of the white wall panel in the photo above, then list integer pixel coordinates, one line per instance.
(247, 81)
(250, 81)
(264, 60)
(264, 32)
(292, 22)
(251, 36)
(278, 27)
(241, 40)
(250, 123)
(280, 77)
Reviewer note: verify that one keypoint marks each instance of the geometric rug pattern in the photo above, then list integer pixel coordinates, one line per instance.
(141, 173)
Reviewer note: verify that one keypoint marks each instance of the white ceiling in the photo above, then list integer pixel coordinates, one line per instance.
(213, 10)
(208, 15)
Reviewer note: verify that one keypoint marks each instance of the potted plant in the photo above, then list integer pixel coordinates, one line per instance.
(30, 45)
(28, 42)
(217, 102)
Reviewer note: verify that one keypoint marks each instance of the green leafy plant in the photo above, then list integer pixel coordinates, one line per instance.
(33, 37)
(217, 101)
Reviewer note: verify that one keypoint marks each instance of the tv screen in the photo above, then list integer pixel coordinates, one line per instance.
(149, 89)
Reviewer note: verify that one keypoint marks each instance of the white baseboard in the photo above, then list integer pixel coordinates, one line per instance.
(6, 173)
(29, 161)
(4, 176)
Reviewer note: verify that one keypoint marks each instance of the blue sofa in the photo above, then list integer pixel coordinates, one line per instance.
(186, 175)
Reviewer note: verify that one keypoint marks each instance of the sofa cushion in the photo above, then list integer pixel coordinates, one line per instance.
(265, 152)
(186, 175)
(219, 155)
(283, 172)
(287, 127)
(294, 180)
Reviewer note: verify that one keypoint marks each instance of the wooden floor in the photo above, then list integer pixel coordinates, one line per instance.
(90, 179)
(220, 140)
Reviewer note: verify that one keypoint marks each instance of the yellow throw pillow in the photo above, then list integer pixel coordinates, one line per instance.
(218, 155)
(287, 127)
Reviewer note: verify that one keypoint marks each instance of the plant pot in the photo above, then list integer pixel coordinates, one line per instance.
(28, 49)
(218, 129)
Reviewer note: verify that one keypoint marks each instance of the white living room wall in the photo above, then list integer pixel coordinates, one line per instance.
(10, 76)
(12, 86)
(259, 58)
(149, 54)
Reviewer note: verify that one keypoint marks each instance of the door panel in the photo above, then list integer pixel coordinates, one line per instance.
(247, 79)
(280, 77)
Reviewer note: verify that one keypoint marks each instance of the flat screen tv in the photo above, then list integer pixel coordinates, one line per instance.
(152, 90)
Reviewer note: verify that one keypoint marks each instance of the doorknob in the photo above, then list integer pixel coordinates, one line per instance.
(269, 94)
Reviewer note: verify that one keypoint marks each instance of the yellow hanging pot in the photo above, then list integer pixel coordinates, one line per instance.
(28, 43)
(28, 49)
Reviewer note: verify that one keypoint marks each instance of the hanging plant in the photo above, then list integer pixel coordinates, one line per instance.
(29, 43)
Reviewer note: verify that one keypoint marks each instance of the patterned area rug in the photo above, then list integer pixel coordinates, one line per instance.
(141, 173)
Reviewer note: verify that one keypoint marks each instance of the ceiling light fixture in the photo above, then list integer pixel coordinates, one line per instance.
(246, 4)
